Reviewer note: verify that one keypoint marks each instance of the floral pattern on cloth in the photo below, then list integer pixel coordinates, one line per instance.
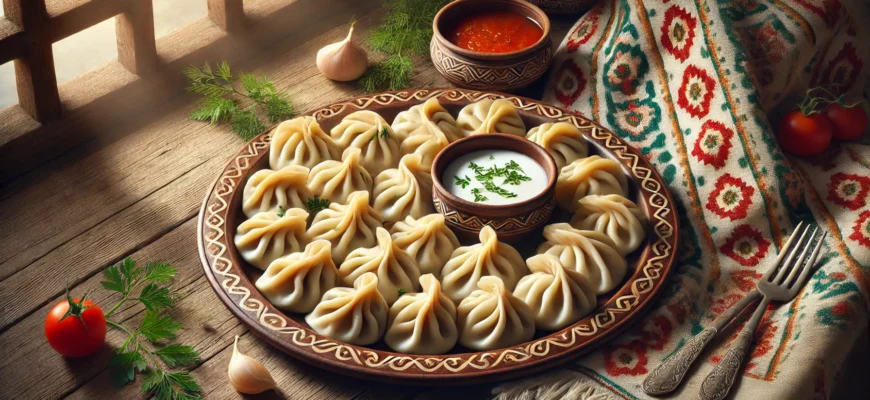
(696, 86)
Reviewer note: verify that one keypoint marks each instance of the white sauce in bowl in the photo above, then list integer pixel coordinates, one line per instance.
(514, 177)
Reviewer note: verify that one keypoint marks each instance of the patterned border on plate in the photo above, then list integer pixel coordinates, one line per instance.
(214, 247)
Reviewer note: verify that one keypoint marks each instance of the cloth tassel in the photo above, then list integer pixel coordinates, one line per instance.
(562, 385)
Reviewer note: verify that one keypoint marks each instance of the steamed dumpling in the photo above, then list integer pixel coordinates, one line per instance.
(296, 282)
(562, 140)
(493, 318)
(355, 315)
(467, 265)
(425, 117)
(335, 181)
(301, 141)
(615, 216)
(558, 296)
(395, 268)
(348, 226)
(590, 253)
(427, 142)
(370, 133)
(491, 116)
(423, 323)
(404, 191)
(428, 240)
(266, 236)
(269, 190)
(589, 176)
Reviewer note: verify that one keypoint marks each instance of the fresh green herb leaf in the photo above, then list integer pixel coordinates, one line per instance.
(175, 355)
(123, 367)
(463, 182)
(512, 165)
(492, 187)
(221, 105)
(171, 385)
(401, 292)
(391, 73)
(478, 197)
(515, 178)
(281, 212)
(160, 272)
(316, 204)
(156, 298)
(491, 157)
(156, 327)
(113, 280)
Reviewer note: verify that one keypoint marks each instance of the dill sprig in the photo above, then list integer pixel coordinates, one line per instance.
(221, 99)
(405, 30)
(463, 182)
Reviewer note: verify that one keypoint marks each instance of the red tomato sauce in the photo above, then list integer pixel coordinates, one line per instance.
(495, 32)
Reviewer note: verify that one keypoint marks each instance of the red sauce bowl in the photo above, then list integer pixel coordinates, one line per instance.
(489, 71)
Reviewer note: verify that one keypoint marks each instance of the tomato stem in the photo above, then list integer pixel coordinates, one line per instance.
(75, 308)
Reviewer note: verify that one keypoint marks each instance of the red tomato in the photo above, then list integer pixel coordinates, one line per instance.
(75, 328)
(804, 135)
(848, 123)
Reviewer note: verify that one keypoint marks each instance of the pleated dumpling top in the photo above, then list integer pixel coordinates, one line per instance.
(423, 323)
(355, 315)
(493, 318)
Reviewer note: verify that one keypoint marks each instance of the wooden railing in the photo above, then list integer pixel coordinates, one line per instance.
(50, 119)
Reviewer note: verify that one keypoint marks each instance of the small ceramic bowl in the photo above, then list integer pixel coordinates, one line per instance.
(498, 71)
(510, 221)
(564, 6)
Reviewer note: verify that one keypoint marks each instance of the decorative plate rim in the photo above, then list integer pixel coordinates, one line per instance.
(235, 290)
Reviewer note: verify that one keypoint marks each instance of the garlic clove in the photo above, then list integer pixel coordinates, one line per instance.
(343, 61)
(248, 375)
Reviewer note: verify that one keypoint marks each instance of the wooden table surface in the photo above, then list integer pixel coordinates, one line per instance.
(138, 196)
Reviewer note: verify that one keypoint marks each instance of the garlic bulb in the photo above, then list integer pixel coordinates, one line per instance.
(247, 375)
(343, 61)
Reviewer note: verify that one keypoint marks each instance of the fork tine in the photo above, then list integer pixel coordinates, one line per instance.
(799, 263)
(783, 251)
(805, 273)
(787, 250)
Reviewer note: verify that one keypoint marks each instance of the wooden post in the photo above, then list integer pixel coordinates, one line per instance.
(34, 71)
(227, 14)
(137, 47)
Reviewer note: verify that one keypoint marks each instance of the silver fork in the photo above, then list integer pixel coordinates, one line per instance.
(782, 286)
(670, 373)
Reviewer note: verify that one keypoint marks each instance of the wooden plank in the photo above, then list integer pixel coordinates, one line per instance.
(68, 17)
(11, 40)
(229, 15)
(137, 47)
(34, 71)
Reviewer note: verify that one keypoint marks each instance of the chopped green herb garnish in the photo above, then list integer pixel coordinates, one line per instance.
(514, 178)
(281, 212)
(463, 182)
(491, 157)
(317, 204)
(512, 165)
(401, 292)
(492, 187)
(478, 197)
(383, 133)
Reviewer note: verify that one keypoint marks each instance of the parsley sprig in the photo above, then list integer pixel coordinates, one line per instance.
(478, 197)
(145, 349)
(463, 182)
(383, 134)
(317, 204)
(222, 103)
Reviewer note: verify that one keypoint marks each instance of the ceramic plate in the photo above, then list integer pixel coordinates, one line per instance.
(233, 279)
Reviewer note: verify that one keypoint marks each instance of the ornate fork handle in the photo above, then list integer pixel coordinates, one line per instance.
(717, 384)
(668, 375)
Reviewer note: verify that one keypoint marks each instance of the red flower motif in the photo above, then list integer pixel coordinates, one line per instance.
(843, 70)
(628, 359)
(849, 190)
(730, 198)
(713, 144)
(721, 304)
(861, 232)
(678, 32)
(584, 30)
(828, 11)
(569, 83)
(746, 246)
(696, 92)
(657, 332)
(745, 279)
